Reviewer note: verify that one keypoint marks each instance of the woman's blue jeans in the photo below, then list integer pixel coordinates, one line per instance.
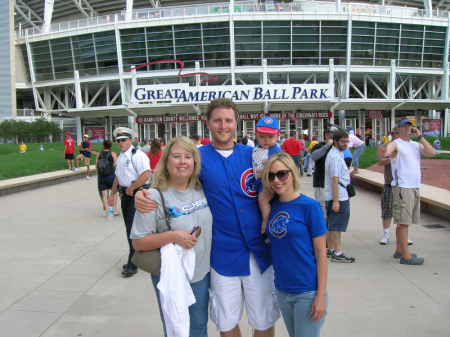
(296, 311)
(357, 153)
(198, 311)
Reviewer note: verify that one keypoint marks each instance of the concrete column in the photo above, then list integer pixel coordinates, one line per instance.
(232, 46)
(418, 116)
(129, 10)
(48, 12)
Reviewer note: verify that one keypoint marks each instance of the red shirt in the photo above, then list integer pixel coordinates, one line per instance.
(69, 143)
(154, 159)
(205, 141)
(291, 146)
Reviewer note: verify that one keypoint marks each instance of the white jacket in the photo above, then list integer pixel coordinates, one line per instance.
(175, 292)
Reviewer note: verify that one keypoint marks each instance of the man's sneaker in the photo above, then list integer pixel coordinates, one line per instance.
(342, 258)
(87, 177)
(75, 170)
(384, 238)
(70, 169)
(330, 253)
(410, 242)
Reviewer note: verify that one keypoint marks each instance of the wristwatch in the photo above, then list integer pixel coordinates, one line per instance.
(419, 137)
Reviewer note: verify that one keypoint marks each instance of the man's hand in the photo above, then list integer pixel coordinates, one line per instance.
(143, 203)
(381, 151)
(111, 200)
(330, 142)
(129, 191)
(335, 206)
(415, 132)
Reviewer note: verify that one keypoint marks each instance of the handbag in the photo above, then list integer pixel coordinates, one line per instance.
(150, 261)
(350, 189)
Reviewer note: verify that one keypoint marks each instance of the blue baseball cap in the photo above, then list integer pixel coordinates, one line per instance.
(268, 125)
(403, 121)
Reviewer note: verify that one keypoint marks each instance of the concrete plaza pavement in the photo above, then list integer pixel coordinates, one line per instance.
(61, 263)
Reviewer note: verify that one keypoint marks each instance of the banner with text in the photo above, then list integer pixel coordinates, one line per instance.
(249, 116)
(183, 93)
(431, 127)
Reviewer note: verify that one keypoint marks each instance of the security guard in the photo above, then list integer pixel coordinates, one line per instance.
(132, 174)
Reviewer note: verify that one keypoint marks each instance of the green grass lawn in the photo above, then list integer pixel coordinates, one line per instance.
(14, 164)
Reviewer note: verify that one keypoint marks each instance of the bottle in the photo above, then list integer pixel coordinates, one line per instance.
(437, 143)
(111, 213)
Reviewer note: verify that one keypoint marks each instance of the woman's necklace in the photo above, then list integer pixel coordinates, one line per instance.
(231, 148)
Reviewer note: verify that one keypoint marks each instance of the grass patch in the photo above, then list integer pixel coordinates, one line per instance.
(14, 164)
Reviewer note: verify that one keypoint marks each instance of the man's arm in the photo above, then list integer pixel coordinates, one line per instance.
(384, 161)
(113, 191)
(143, 178)
(389, 151)
(334, 190)
(316, 154)
(426, 149)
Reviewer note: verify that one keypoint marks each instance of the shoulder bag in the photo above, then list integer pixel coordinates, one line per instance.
(350, 189)
(150, 261)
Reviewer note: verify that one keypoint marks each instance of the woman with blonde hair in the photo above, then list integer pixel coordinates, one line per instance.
(176, 175)
(297, 234)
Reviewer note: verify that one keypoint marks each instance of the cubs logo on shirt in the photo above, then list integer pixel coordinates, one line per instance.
(197, 205)
(278, 224)
(247, 183)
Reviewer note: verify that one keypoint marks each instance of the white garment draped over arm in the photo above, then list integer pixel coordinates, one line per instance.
(175, 292)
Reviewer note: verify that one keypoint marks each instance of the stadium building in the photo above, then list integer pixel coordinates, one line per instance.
(154, 65)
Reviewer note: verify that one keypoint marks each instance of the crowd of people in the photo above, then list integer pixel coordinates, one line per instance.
(263, 243)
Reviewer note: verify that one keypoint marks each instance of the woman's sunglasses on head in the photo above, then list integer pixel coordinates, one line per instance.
(281, 175)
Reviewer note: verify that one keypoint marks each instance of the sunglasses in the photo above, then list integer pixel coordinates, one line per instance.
(121, 140)
(281, 175)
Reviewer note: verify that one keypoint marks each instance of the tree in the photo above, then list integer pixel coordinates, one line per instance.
(7, 130)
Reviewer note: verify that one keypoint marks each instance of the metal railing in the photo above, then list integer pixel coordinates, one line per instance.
(304, 7)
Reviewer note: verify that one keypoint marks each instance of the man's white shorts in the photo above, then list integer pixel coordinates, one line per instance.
(319, 195)
(228, 293)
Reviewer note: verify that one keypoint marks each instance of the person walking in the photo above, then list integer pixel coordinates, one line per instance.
(69, 150)
(405, 165)
(132, 174)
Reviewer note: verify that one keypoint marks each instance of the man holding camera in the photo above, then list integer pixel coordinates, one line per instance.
(132, 174)
(405, 165)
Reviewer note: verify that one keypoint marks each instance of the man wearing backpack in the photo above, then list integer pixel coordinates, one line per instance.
(132, 174)
(106, 162)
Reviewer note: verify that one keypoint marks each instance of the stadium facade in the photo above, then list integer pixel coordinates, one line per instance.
(155, 65)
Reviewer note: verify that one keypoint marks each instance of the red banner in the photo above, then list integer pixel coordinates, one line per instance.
(431, 127)
(375, 113)
(249, 116)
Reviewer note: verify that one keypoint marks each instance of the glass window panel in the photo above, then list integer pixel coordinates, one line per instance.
(411, 49)
(387, 40)
(334, 23)
(276, 30)
(216, 48)
(429, 64)
(247, 39)
(305, 61)
(276, 46)
(386, 32)
(248, 54)
(246, 24)
(334, 38)
(334, 46)
(275, 38)
(434, 43)
(248, 46)
(412, 27)
(308, 54)
(431, 57)
(218, 40)
(279, 62)
(410, 56)
(386, 55)
(411, 42)
(305, 46)
(435, 36)
(380, 62)
(363, 24)
(277, 54)
(189, 42)
(188, 34)
(189, 27)
(217, 63)
(333, 54)
(334, 30)
(212, 25)
(433, 50)
(388, 25)
(361, 62)
(363, 39)
(23, 49)
(306, 38)
(247, 31)
(306, 30)
(362, 31)
(406, 63)
(406, 33)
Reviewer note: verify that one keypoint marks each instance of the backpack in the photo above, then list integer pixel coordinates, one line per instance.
(103, 165)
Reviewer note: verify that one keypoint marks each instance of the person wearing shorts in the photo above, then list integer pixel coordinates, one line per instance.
(85, 155)
(405, 165)
(337, 200)
(69, 150)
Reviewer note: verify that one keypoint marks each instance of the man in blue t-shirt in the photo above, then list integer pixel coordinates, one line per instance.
(241, 262)
(85, 154)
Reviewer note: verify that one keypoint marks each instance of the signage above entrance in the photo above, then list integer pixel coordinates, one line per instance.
(183, 93)
(375, 113)
(250, 116)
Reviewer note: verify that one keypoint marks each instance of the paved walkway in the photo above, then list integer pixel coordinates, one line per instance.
(61, 263)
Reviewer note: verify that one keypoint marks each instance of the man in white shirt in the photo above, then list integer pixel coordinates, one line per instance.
(337, 201)
(405, 163)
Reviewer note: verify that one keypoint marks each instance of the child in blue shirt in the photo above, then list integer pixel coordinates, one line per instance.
(267, 133)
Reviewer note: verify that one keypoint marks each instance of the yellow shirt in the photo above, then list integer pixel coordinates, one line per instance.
(22, 148)
(311, 145)
(385, 139)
